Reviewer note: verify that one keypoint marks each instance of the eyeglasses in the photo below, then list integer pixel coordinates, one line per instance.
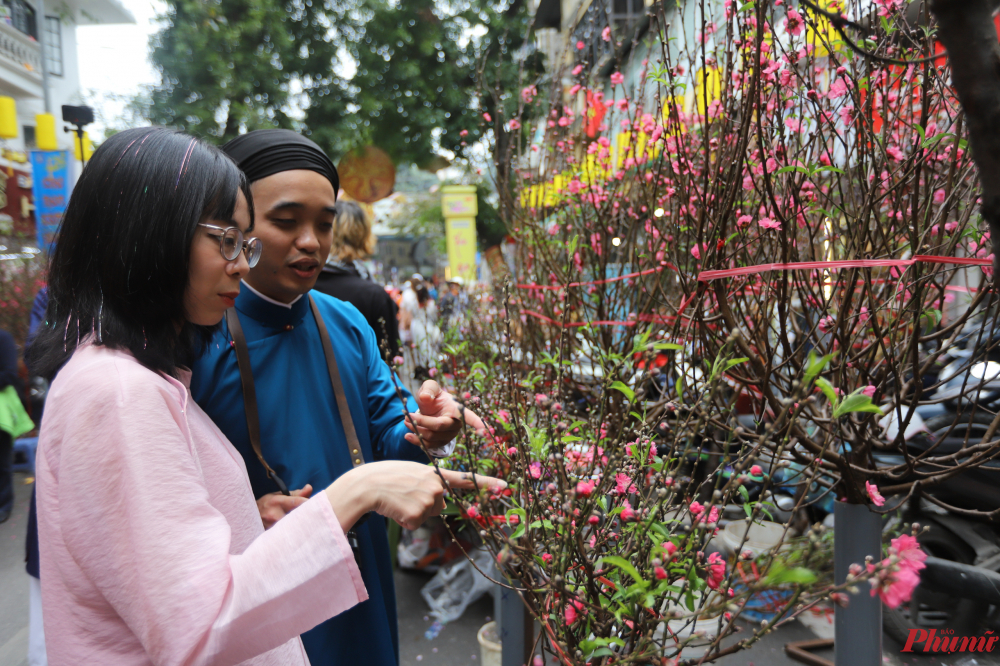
(231, 243)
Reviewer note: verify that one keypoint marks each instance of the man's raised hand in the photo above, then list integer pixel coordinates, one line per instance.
(439, 419)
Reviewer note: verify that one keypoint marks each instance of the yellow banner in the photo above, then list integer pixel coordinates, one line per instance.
(462, 247)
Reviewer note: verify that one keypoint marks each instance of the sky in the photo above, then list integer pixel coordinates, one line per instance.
(114, 61)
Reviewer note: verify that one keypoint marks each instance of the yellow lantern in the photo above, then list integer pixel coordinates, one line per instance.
(88, 147)
(45, 132)
(8, 118)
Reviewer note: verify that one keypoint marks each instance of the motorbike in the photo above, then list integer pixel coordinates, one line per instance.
(958, 589)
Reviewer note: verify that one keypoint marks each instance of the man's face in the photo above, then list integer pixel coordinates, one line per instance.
(294, 220)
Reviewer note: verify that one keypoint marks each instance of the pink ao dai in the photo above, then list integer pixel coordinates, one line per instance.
(152, 548)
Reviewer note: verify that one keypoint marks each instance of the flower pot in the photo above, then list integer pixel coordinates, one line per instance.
(761, 537)
(490, 652)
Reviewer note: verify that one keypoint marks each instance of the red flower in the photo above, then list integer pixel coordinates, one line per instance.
(716, 571)
(573, 610)
(596, 110)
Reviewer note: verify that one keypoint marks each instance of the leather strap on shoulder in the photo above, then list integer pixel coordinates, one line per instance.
(250, 393)
(353, 444)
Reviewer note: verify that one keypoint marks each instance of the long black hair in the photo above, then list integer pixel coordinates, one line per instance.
(120, 266)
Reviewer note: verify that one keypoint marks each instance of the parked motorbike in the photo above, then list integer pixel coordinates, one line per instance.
(958, 588)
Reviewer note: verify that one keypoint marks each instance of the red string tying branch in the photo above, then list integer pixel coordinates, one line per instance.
(641, 319)
(708, 276)
(555, 287)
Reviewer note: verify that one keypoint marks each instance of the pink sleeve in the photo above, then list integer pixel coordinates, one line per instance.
(136, 516)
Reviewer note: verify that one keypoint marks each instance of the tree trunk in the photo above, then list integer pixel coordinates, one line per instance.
(966, 29)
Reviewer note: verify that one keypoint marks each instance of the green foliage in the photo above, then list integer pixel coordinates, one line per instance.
(224, 66)
(228, 66)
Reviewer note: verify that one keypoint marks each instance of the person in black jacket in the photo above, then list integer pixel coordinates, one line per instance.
(344, 276)
(8, 377)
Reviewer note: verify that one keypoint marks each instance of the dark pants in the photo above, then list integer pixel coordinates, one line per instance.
(6, 473)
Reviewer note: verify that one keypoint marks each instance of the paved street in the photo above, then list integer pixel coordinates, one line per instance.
(455, 645)
(14, 580)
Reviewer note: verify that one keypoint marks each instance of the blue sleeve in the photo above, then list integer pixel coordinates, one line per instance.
(36, 319)
(385, 410)
(38, 307)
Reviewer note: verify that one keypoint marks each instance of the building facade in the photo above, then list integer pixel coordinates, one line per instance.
(24, 27)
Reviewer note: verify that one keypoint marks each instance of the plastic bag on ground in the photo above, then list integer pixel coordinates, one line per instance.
(458, 584)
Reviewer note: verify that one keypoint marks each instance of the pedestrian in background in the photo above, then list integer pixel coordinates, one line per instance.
(345, 277)
(36, 630)
(12, 420)
(426, 334)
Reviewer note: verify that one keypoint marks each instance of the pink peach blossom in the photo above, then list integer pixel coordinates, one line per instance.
(573, 610)
(623, 484)
(874, 494)
(716, 571)
(793, 22)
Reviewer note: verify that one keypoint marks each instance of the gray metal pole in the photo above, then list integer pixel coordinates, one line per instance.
(40, 25)
(515, 629)
(857, 628)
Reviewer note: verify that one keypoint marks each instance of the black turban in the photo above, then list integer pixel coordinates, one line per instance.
(263, 153)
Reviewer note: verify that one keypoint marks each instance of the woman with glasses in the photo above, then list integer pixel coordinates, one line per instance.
(152, 547)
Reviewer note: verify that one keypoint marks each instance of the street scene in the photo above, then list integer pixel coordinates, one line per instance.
(524, 333)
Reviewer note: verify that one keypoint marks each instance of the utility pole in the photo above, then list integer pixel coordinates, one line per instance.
(40, 27)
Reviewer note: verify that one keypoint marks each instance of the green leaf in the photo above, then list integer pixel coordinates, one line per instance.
(667, 345)
(792, 167)
(828, 391)
(629, 393)
(815, 365)
(625, 566)
(571, 247)
(744, 494)
(797, 575)
(736, 361)
(856, 402)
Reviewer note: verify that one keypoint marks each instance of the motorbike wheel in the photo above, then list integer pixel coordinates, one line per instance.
(975, 428)
(928, 609)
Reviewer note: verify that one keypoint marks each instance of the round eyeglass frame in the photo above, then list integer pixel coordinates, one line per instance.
(231, 243)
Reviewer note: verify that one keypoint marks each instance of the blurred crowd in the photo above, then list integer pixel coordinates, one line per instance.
(411, 320)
